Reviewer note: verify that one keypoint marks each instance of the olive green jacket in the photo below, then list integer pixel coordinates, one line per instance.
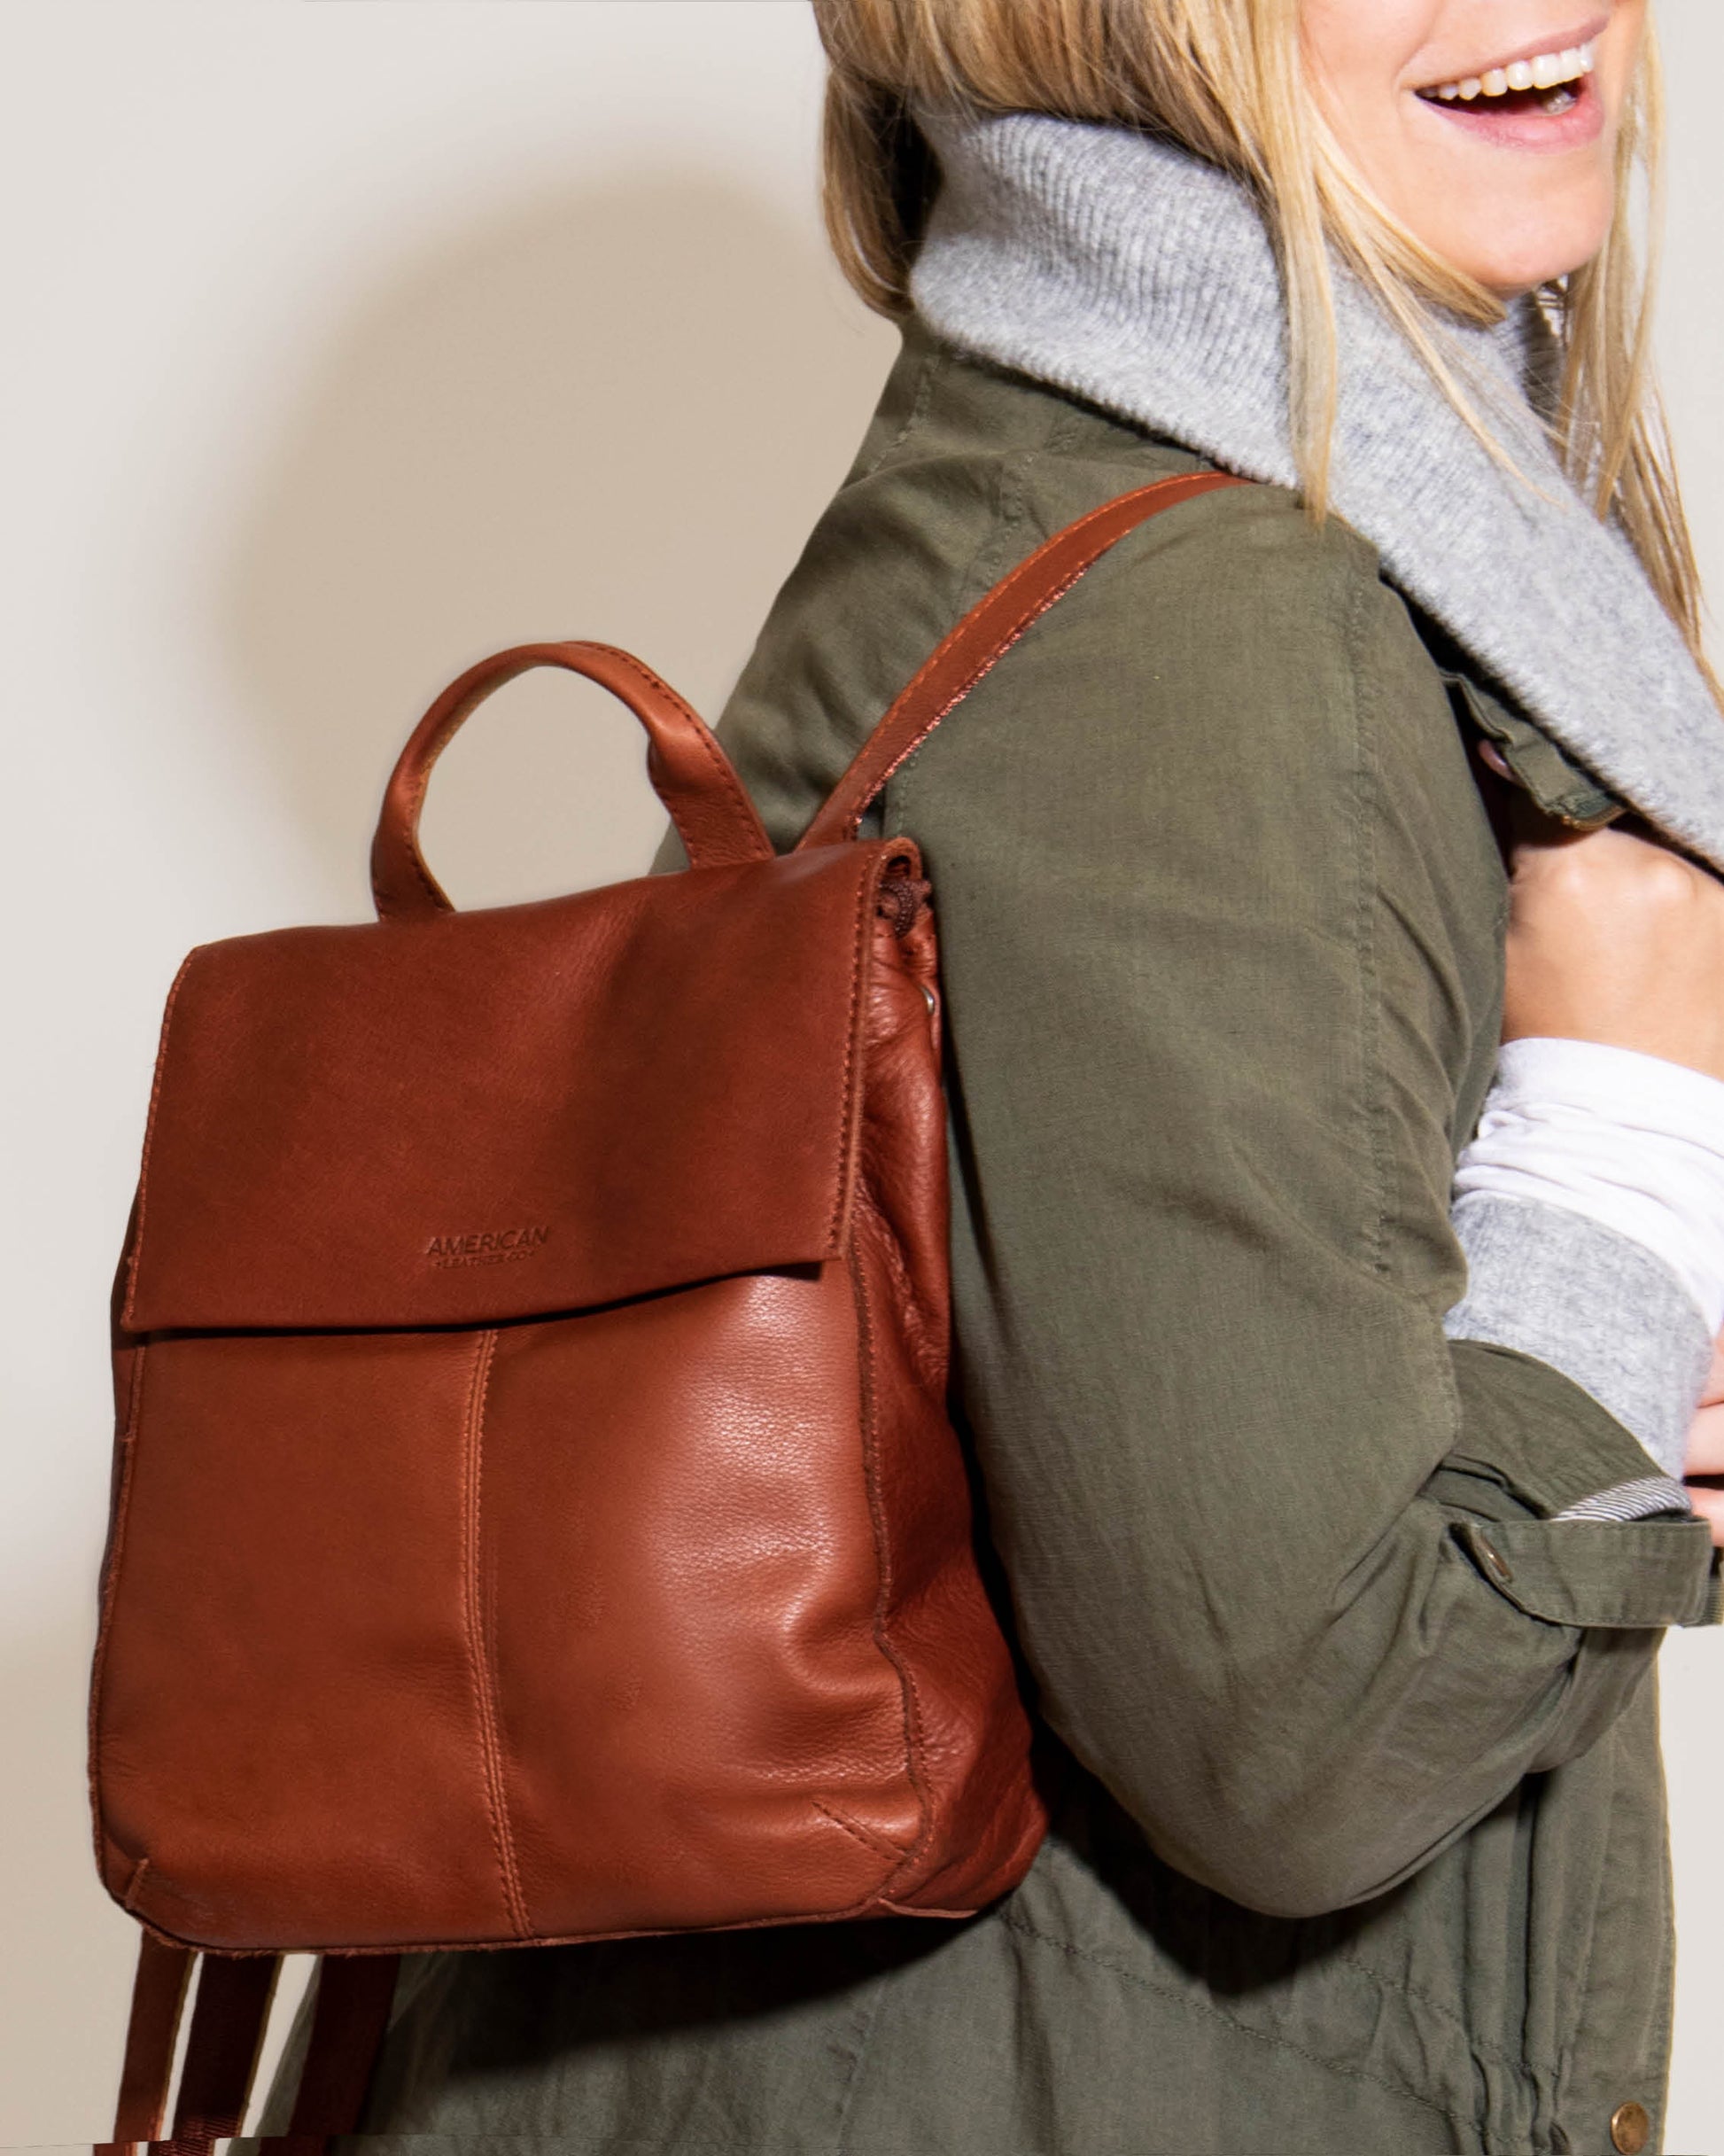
(1359, 1841)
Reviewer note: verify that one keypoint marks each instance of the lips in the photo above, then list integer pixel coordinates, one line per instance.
(1544, 100)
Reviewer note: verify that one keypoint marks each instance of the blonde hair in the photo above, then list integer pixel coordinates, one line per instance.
(1225, 78)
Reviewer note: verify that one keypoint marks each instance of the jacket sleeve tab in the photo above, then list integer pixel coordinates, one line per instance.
(1595, 1573)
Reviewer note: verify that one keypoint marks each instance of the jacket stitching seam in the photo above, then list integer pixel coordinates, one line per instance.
(933, 364)
(1007, 513)
(490, 1747)
(1427, 1342)
(1583, 1990)
(1242, 2028)
(1365, 855)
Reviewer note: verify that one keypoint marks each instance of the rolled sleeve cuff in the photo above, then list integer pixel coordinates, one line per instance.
(1602, 1309)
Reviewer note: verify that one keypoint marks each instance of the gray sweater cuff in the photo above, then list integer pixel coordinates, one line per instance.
(1604, 1310)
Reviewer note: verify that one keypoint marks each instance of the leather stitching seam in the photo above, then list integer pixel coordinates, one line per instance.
(491, 1750)
(848, 1089)
(150, 1139)
(914, 1758)
(442, 735)
(129, 1900)
(925, 1357)
(110, 1596)
(723, 769)
(134, 1392)
(877, 1845)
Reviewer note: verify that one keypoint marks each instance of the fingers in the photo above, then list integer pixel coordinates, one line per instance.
(1706, 1447)
(1709, 1504)
(1706, 1442)
(1704, 1454)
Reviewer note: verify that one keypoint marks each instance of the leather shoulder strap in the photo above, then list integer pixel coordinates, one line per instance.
(983, 637)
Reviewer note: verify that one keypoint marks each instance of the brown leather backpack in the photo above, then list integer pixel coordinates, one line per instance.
(537, 1516)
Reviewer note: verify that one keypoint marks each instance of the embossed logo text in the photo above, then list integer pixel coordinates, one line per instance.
(499, 1248)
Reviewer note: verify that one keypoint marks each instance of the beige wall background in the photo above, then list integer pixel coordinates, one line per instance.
(346, 341)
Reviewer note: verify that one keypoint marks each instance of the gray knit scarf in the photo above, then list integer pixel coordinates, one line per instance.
(1125, 270)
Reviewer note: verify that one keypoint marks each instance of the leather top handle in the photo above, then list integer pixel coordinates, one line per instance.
(983, 637)
(690, 772)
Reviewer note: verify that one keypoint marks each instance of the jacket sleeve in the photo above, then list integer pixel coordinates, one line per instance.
(1219, 918)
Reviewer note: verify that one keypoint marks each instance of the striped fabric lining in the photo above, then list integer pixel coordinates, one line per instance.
(1645, 1499)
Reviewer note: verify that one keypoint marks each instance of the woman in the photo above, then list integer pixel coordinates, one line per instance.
(1337, 1492)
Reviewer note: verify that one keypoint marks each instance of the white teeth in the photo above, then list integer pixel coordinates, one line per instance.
(1543, 71)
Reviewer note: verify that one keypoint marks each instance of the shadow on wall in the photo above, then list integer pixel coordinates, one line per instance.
(615, 413)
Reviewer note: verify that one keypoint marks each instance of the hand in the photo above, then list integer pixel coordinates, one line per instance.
(1615, 938)
(1705, 1450)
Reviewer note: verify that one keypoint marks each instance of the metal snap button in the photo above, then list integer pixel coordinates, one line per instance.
(1631, 2129)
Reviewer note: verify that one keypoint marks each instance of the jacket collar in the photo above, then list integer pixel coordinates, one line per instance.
(1122, 268)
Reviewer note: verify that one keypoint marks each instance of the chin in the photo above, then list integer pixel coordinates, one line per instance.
(1509, 270)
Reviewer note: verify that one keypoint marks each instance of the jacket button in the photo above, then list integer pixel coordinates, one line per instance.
(1499, 1567)
(1631, 2129)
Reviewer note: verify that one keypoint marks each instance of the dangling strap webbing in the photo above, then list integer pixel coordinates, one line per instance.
(157, 1998)
(228, 2023)
(354, 1995)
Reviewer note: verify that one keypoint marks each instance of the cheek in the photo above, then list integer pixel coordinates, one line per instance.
(1381, 31)
(1356, 52)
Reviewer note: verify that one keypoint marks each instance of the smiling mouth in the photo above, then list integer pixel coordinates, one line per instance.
(1549, 83)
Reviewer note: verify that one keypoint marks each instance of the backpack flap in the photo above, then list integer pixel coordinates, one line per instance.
(462, 1118)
